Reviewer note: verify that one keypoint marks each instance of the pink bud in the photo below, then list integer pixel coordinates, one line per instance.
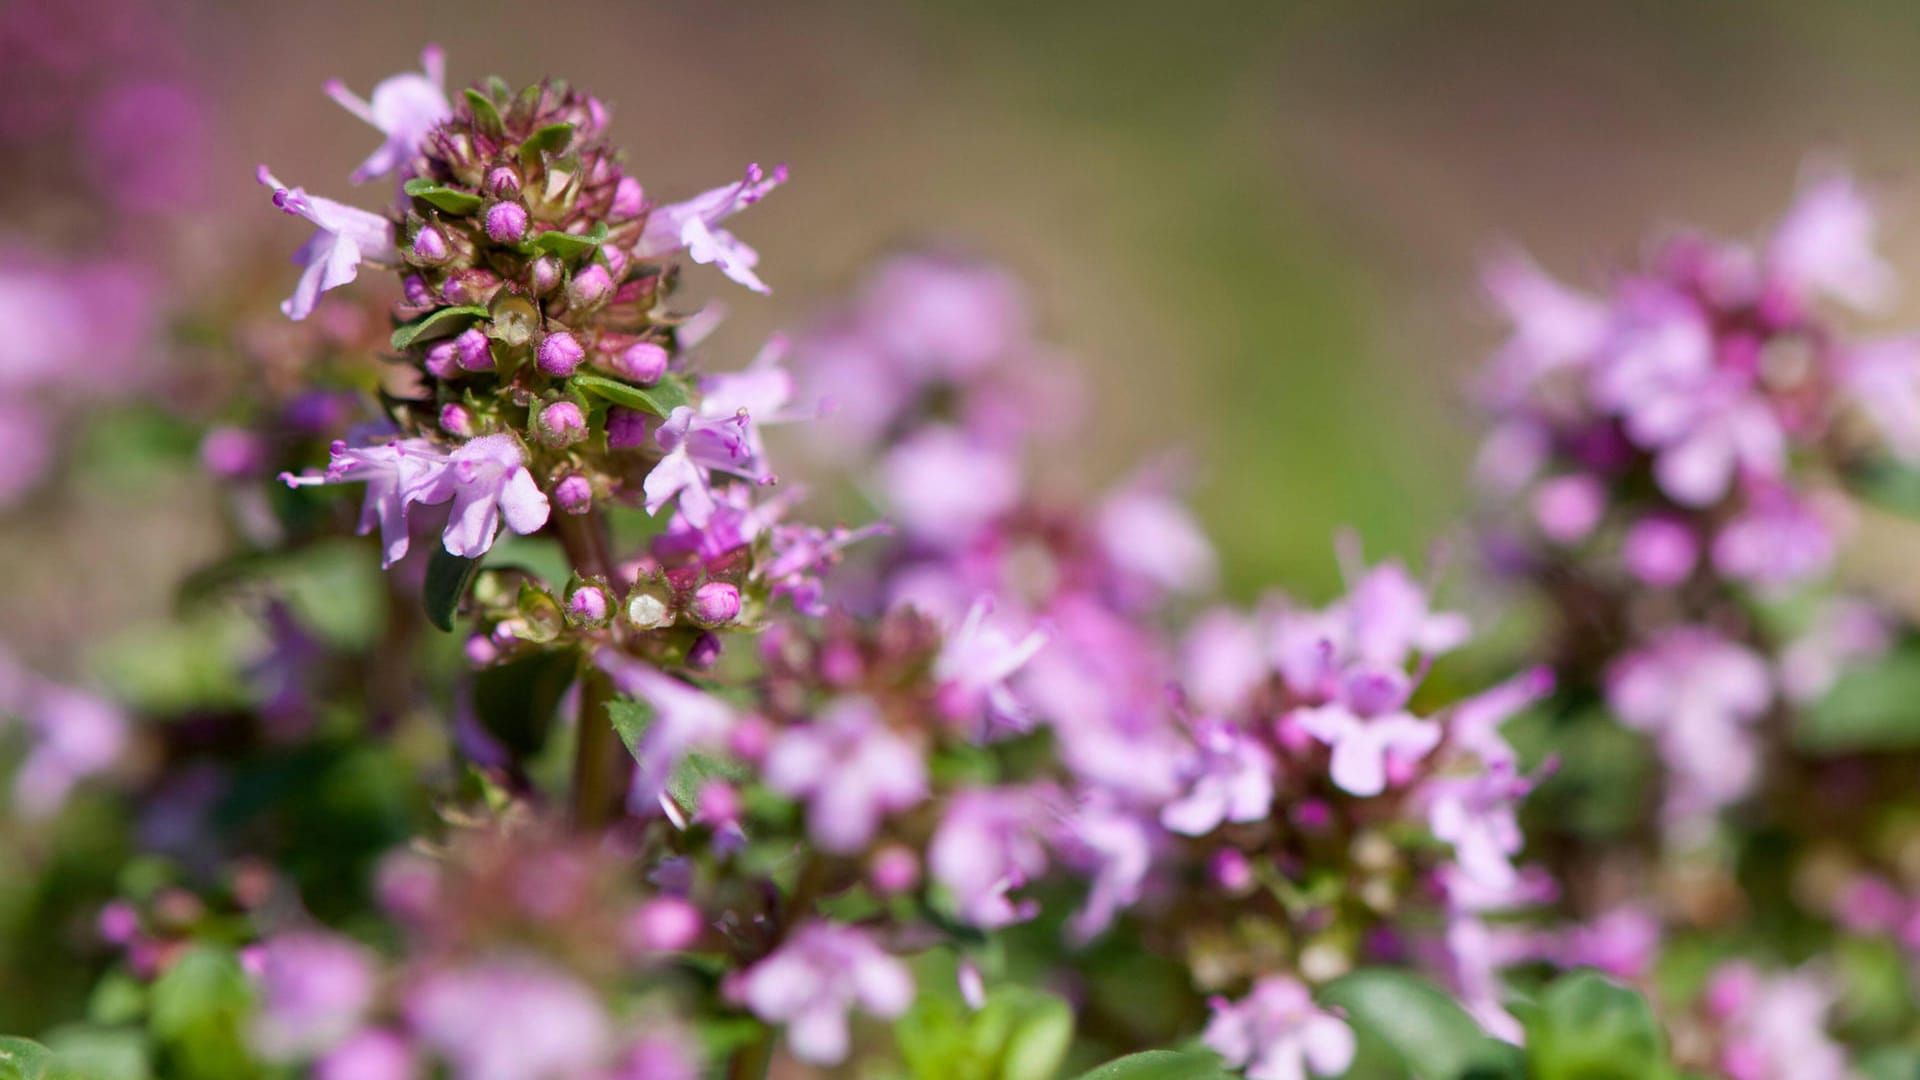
(626, 428)
(560, 354)
(719, 804)
(643, 362)
(430, 245)
(704, 652)
(503, 182)
(1568, 507)
(546, 275)
(628, 198)
(415, 289)
(574, 494)
(616, 257)
(1660, 551)
(1230, 870)
(456, 420)
(562, 424)
(588, 606)
(470, 287)
(750, 739)
(232, 452)
(895, 869)
(506, 222)
(442, 361)
(716, 603)
(474, 351)
(481, 651)
(589, 286)
(119, 924)
(664, 924)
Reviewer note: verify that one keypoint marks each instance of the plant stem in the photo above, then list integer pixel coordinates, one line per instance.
(600, 771)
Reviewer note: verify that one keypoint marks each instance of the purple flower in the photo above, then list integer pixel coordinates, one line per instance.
(1113, 847)
(1622, 942)
(397, 474)
(1476, 815)
(314, 989)
(1554, 327)
(852, 770)
(975, 663)
(343, 236)
(943, 318)
(1698, 695)
(1150, 536)
(404, 108)
(818, 976)
(1845, 633)
(1223, 660)
(1276, 1032)
(944, 486)
(369, 1055)
(1660, 550)
(1774, 1025)
(510, 1019)
(75, 735)
(692, 226)
(721, 436)
(1824, 245)
(1390, 618)
(1229, 777)
(1371, 734)
(1882, 378)
(1778, 541)
(987, 846)
(684, 719)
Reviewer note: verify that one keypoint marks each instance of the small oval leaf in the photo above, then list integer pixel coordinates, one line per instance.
(448, 576)
(552, 139)
(1431, 1034)
(1162, 1065)
(452, 200)
(568, 245)
(659, 399)
(434, 324)
(485, 111)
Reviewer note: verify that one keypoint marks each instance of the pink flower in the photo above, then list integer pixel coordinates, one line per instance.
(685, 719)
(987, 846)
(314, 989)
(1229, 777)
(404, 108)
(1372, 736)
(816, 978)
(510, 1019)
(1824, 245)
(944, 487)
(343, 236)
(1554, 327)
(692, 226)
(1698, 695)
(1476, 815)
(1277, 1033)
(975, 663)
(852, 770)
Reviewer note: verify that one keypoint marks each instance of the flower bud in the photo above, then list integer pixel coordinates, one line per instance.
(545, 275)
(119, 924)
(470, 287)
(643, 362)
(1231, 871)
(719, 804)
(574, 494)
(628, 199)
(646, 611)
(562, 424)
(626, 428)
(416, 291)
(232, 452)
(430, 246)
(443, 362)
(588, 606)
(664, 924)
(559, 354)
(481, 651)
(704, 652)
(589, 286)
(715, 604)
(616, 257)
(506, 222)
(503, 183)
(895, 869)
(456, 420)
(473, 350)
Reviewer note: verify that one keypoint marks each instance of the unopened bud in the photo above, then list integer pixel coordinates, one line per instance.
(430, 246)
(646, 611)
(503, 183)
(473, 350)
(443, 362)
(481, 650)
(560, 354)
(562, 424)
(895, 869)
(665, 924)
(705, 652)
(506, 222)
(715, 604)
(470, 287)
(628, 198)
(643, 362)
(589, 286)
(545, 275)
(456, 420)
(626, 428)
(588, 606)
(574, 494)
(415, 289)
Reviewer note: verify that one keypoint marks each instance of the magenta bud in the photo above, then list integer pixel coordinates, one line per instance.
(643, 362)
(588, 606)
(574, 494)
(415, 289)
(626, 428)
(716, 603)
(546, 275)
(589, 286)
(430, 245)
(481, 651)
(719, 804)
(455, 419)
(1230, 870)
(560, 354)
(443, 362)
(119, 924)
(616, 260)
(1661, 551)
(895, 869)
(750, 739)
(628, 198)
(506, 223)
(474, 351)
(503, 183)
(232, 452)
(664, 924)
(562, 424)
(470, 287)
(705, 652)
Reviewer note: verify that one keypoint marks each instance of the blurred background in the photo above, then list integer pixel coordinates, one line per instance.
(1256, 225)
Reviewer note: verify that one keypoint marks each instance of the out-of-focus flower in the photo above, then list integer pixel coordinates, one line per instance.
(851, 769)
(314, 989)
(510, 1019)
(816, 978)
(1277, 1033)
(404, 108)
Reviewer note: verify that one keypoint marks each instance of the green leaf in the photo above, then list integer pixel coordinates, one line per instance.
(1587, 1027)
(516, 701)
(198, 1008)
(485, 111)
(1869, 708)
(435, 324)
(1041, 1036)
(659, 399)
(569, 245)
(102, 1053)
(631, 719)
(448, 576)
(1431, 1034)
(552, 139)
(452, 200)
(1162, 1065)
(24, 1059)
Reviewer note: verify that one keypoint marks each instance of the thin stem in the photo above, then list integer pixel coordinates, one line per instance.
(600, 773)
